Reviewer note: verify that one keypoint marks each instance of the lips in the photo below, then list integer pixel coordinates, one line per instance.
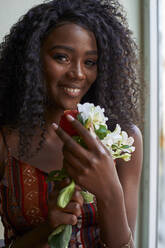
(71, 90)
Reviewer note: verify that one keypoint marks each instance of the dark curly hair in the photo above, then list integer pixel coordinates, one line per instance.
(22, 92)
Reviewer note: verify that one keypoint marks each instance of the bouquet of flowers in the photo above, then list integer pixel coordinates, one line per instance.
(117, 142)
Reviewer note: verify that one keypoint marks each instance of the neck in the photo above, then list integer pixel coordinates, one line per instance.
(53, 115)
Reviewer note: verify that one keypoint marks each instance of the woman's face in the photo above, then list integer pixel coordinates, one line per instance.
(69, 57)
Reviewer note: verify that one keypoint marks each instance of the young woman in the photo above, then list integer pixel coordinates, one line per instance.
(61, 53)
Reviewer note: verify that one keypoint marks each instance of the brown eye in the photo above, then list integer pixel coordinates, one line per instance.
(61, 58)
(90, 63)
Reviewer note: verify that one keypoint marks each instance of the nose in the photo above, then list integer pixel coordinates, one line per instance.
(77, 72)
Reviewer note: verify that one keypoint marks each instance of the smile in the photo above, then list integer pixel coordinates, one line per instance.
(72, 92)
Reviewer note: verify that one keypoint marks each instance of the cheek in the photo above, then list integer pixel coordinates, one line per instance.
(54, 73)
(52, 70)
(93, 76)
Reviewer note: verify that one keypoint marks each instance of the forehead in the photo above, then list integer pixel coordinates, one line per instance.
(71, 34)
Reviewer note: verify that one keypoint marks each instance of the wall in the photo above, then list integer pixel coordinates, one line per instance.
(132, 8)
(10, 11)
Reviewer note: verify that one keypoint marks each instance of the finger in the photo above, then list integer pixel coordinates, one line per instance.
(58, 185)
(89, 139)
(70, 219)
(77, 163)
(77, 197)
(59, 217)
(73, 173)
(103, 148)
(73, 208)
(77, 188)
(75, 168)
(71, 144)
(92, 141)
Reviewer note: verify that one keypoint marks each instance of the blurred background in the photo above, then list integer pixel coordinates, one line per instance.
(147, 21)
(161, 172)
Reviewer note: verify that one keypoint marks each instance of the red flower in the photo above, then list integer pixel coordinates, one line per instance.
(66, 125)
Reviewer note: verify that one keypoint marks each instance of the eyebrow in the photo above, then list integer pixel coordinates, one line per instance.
(70, 49)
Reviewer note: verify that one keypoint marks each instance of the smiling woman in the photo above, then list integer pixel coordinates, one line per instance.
(69, 55)
(61, 53)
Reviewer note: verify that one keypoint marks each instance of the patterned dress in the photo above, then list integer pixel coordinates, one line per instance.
(23, 205)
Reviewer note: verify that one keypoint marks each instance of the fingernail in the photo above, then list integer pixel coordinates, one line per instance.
(55, 125)
(70, 118)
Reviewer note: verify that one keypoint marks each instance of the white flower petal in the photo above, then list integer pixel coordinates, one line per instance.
(117, 130)
(95, 114)
(130, 141)
(124, 137)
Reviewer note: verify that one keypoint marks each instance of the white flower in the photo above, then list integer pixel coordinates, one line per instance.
(114, 141)
(92, 115)
(113, 137)
(117, 142)
(127, 141)
(126, 156)
(116, 134)
(108, 140)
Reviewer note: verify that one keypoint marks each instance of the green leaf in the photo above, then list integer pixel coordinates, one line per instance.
(115, 146)
(88, 197)
(125, 146)
(63, 173)
(101, 132)
(56, 231)
(65, 195)
(61, 240)
(57, 175)
(52, 175)
(86, 122)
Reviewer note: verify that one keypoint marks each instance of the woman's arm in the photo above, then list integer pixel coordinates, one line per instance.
(117, 214)
(36, 238)
(129, 174)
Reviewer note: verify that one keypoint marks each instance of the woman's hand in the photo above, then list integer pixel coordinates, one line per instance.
(92, 168)
(67, 215)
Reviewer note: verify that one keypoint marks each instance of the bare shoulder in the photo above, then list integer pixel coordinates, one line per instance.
(131, 171)
(135, 132)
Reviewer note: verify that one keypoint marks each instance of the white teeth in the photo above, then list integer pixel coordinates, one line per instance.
(72, 90)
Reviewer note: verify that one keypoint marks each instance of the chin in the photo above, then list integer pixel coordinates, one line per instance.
(65, 103)
(70, 106)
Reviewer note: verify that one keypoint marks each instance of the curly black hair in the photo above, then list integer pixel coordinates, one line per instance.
(22, 91)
